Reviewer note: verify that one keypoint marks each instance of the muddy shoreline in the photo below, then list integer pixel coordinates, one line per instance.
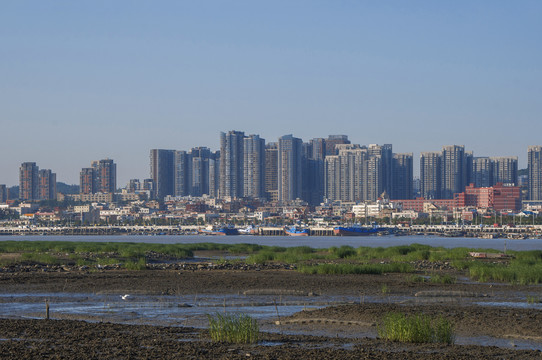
(33, 338)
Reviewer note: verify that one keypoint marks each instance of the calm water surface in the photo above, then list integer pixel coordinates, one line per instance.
(312, 241)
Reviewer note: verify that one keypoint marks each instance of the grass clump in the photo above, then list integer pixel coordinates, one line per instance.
(139, 264)
(416, 279)
(416, 329)
(443, 279)
(233, 328)
(533, 299)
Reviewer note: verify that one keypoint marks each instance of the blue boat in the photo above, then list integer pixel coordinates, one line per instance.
(357, 230)
(296, 231)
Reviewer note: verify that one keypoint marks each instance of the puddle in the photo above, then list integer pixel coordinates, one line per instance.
(519, 344)
(271, 343)
(193, 311)
(511, 304)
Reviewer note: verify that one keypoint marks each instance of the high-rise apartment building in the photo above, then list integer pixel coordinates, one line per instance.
(454, 171)
(373, 178)
(101, 177)
(200, 157)
(332, 181)
(214, 174)
(162, 163)
(87, 181)
(355, 174)
(289, 168)
(106, 176)
(314, 153)
(133, 185)
(231, 164)
(271, 171)
(534, 157)
(403, 176)
(47, 185)
(28, 181)
(36, 184)
(505, 170)
(482, 172)
(332, 141)
(254, 167)
(3, 194)
(430, 175)
(386, 155)
(182, 173)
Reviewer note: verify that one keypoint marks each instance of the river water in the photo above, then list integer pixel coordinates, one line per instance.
(318, 242)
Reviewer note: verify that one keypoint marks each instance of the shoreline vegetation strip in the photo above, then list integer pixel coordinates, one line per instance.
(522, 267)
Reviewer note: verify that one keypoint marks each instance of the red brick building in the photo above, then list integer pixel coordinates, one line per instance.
(498, 197)
(417, 204)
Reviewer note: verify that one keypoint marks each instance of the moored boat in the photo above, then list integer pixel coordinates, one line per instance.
(224, 230)
(297, 231)
(357, 230)
(250, 230)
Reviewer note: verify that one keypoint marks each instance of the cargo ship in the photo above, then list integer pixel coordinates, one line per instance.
(296, 231)
(358, 230)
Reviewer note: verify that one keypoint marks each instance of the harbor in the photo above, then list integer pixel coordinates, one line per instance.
(470, 231)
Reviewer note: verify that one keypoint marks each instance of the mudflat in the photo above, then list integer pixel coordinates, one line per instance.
(354, 323)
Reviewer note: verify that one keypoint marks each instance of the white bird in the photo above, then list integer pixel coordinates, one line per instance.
(125, 296)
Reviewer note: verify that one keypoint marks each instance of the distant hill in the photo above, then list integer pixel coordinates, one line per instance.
(60, 187)
(67, 189)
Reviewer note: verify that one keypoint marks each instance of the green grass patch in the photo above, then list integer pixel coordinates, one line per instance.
(416, 329)
(416, 279)
(45, 259)
(233, 328)
(343, 269)
(520, 272)
(138, 264)
(442, 279)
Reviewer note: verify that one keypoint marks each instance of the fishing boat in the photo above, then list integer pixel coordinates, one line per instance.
(358, 230)
(250, 230)
(297, 231)
(223, 230)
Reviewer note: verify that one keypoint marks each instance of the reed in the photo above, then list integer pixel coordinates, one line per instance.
(233, 328)
(416, 329)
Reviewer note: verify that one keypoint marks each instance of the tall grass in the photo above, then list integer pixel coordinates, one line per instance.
(291, 255)
(342, 269)
(517, 272)
(416, 329)
(233, 328)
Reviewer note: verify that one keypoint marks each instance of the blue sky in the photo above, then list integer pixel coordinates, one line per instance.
(81, 81)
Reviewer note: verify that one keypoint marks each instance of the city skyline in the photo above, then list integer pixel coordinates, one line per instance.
(177, 155)
(84, 81)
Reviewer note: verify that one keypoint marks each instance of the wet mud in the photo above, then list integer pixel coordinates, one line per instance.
(353, 325)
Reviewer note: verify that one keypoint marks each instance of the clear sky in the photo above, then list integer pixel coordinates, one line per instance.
(86, 80)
